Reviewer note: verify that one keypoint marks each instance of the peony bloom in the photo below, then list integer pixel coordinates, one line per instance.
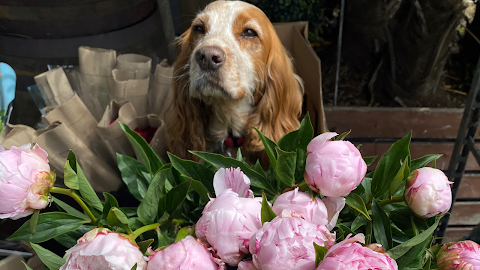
(428, 192)
(464, 255)
(320, 212)
(188, 254)
(287, 243)
(227, 223)
(25, 181)
(101, 249)
(233, 179)
(333, 168)
(246, 265)
(350, 255)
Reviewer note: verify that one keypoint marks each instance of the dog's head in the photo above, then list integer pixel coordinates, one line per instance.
(231, 52)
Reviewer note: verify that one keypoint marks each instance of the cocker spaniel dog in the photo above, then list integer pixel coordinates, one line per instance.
(232, 73)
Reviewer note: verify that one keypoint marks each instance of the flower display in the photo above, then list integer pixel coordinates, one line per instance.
(428, 192)
(333, 168)
(101, 249)
(317, 211)
(348, 254)
(25, 180)
(287, 243)
(187, 254)
(227, 223)
(459, 256)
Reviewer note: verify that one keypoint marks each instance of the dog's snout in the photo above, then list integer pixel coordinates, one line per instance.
(210, 57)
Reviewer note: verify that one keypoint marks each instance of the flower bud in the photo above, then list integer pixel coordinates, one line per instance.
(428, 192)
(187, 254)
(464, 255)
(101, 249)
(286, 243)
(318, 211)
(348, 254)
(333, 168)
(25, 181)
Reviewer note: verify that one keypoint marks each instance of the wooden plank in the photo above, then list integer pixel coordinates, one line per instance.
(368, 122)
(469, 187)
(455, 234)
(465, 213)
(418, 150)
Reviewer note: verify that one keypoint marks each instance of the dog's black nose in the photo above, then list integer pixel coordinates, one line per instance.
(210, 57)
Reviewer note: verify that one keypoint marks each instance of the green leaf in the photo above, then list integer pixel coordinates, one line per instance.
(428, 264)
(164, 239)
(117, 218)
(110, 202)
(298, 139)
(67, 208)
(175, 198)
(86, 190)
(423, 161)
(259, 169)
(194, 170)
(382, 229)
(148, 208)
(402, 174)
(69, 239)
(342, 136)
(285, 170)
(403, 248)
(50, 259)
(132, 175)
(201, 190)
(218, 161)
(269, 147)
(319, 253)
(389, 165)
(239, 154)
(26, 266)
(70, 172)
(184, 232)
(147, 155)
(356, 202)
(358, 222)
(34, 221)
(413, 259)
(49, 225)
(369, 160)
(134, 267)
(144, 245)
(267, 213)
(300, 165)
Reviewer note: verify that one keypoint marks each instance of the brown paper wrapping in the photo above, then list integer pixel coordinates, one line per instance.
(113, 134)
(132, 86)
(55, 85)
(161, 93)
(134, 62)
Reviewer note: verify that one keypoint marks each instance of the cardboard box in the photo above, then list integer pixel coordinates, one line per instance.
(294, 36)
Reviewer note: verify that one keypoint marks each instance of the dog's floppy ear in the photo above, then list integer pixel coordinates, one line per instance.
(186, 126)
(278, 98)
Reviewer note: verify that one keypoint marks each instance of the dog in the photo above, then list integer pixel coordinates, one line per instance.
(232, 73)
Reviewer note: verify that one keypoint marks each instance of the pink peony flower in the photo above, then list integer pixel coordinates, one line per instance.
(233, 179)
(464, 255)
(350, 255)
(320, 212)
(101, 249)
(287, 243)
(25, 181)
(428, 192)
(227, 223)
(187, 254)
(333, 168)
(244, 265)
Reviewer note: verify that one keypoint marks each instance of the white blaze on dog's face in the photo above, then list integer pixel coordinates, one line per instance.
(228, 51)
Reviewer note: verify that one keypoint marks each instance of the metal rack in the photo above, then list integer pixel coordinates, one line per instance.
(464, 145)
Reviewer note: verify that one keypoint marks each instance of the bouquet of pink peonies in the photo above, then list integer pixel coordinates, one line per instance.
(315, 208)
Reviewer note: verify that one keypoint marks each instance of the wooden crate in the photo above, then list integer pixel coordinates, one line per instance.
(434, 132)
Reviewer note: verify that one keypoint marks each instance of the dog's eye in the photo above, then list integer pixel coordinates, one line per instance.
(249, 33)
(199, 29)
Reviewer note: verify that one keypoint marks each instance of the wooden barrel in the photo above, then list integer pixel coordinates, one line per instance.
(70, 18)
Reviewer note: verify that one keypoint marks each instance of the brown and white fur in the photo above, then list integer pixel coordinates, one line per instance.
(232, 73)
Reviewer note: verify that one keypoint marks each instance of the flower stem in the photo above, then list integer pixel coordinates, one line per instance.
(143, 229)
(390, 200)
(74, 195)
